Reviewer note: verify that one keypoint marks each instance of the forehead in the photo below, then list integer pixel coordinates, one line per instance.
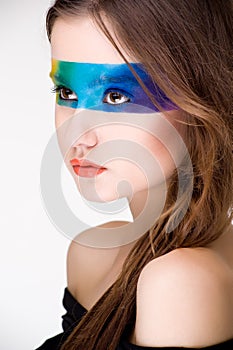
(77, 39)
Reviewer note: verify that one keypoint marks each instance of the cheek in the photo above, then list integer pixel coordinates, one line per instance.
(144, 147)
(62, 114)
(160, 145)
(63, 118)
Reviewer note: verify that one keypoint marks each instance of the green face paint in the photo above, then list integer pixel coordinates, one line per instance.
(106, 87)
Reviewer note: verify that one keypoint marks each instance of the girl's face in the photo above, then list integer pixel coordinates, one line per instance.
(105, 116)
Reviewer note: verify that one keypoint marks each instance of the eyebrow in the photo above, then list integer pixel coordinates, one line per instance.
(101, 81)
(57, 78)
(110, 79)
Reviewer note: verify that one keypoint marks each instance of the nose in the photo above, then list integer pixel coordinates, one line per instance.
(85, 142)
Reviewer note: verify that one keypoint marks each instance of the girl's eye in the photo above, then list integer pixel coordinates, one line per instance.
(67, 94)
(115, 98)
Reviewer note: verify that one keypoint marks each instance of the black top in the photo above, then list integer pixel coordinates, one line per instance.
(74, 313)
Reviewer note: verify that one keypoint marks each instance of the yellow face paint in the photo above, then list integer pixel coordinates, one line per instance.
(106, 87)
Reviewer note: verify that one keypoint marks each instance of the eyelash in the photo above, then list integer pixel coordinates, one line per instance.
(117, 91)
(57, 89)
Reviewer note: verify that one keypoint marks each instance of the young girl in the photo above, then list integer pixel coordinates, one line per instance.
(159, 63)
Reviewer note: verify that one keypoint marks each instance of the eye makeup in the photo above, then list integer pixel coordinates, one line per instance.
(106, 87)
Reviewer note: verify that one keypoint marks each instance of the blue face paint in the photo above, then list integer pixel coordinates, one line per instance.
(106, 87)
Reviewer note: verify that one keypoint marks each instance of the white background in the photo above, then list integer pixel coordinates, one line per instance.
(32, 252)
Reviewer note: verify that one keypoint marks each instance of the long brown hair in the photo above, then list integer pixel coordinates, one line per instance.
(189, 43)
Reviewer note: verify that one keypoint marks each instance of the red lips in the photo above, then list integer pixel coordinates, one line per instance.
(85, 168)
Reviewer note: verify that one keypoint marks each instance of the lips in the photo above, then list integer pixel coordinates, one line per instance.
(85, 168)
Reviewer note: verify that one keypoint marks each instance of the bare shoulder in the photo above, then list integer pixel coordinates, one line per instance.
(184, 298)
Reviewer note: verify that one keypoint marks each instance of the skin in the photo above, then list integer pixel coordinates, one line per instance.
(192, 292)
(91, 271)
(63, 49)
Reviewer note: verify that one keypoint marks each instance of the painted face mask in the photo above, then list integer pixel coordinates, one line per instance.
(106, 87)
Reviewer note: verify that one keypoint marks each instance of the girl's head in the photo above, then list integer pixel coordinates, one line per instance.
(185, 49)
(91, 80)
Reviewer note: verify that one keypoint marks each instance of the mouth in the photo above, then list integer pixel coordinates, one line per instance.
(85, 168)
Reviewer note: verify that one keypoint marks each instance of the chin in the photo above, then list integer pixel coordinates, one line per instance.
(92, 194)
